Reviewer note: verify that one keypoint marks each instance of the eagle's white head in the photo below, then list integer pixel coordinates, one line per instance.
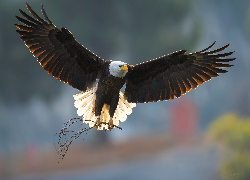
(118, 69)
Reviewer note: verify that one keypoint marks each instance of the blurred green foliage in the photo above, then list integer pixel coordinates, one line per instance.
(237, 167)
(233, 132)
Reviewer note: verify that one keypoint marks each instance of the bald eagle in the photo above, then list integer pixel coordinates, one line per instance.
(104, 105)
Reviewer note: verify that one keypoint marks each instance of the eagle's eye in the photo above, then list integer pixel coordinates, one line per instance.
(120, 65)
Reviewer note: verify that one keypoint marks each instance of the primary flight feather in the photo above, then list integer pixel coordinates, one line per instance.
(104, 105)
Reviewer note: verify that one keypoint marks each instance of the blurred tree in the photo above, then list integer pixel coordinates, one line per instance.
(232, 132)
(236, 167)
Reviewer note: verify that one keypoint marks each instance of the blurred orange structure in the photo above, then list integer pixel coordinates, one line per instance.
(183, 120)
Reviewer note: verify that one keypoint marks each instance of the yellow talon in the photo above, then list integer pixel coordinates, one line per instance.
(97, 123)
(110, 124)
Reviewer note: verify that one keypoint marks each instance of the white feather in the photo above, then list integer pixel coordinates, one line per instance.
(115, 70)
(85, 103)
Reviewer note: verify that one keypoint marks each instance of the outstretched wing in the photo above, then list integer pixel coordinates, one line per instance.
(174, 74)
(61, 55)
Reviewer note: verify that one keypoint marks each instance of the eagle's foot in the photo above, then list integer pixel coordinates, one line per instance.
(98, 122)
(110, 124)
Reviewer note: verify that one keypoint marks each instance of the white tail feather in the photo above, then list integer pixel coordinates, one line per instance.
(85, 103)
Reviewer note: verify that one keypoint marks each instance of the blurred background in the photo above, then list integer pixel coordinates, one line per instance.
(205, 134)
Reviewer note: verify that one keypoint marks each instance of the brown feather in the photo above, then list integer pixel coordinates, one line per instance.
(57, 49)
(178, 73)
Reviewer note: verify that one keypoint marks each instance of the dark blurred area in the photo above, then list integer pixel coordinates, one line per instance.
(164, 140)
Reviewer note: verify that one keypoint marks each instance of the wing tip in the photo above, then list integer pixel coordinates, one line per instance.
(18, 31)
(45, 15)
(27, 5)
(227, 46)
(208, 47)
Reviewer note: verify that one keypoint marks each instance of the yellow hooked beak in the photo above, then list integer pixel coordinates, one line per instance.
(124, 68)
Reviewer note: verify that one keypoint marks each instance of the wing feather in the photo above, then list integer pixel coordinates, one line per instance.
(186, 83)
(174, 74)
(58, 51)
